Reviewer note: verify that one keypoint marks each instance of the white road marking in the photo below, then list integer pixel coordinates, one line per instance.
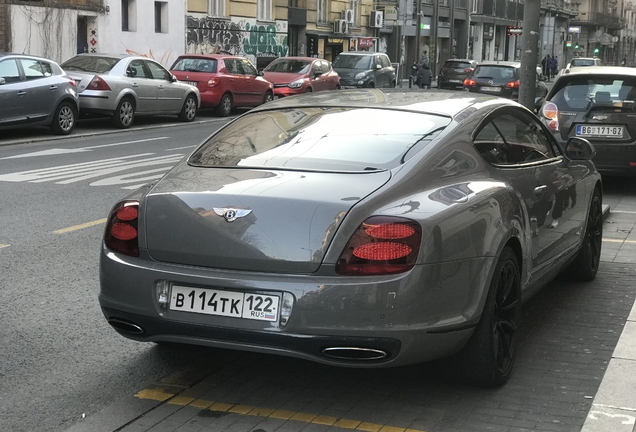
(66, 174)
(59, 151)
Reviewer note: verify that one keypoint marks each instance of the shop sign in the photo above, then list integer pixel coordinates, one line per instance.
(365, 42)
(390, 13)
(335, 40)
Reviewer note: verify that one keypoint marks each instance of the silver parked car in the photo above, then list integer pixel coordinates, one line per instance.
(36, 91)
(361, 228)
(122, 86)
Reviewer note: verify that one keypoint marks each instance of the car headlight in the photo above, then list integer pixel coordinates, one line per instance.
(361, 75)
(296, 84)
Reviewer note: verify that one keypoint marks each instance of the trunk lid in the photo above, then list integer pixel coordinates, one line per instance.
(278, 221)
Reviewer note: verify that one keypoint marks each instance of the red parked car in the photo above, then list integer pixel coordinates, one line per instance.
(295, 75)
(224, 81)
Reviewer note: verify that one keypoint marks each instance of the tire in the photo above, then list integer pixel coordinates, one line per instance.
(268, 97)
(489, 354)
(124, 113)
(64, 119)
(308, 90)
(189, 110)
(392, 84)
(585, 265)
(224, 108)
(338, 87)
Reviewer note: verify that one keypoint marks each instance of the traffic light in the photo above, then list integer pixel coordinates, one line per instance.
(595, 50)
(568, 44)
(576, 45)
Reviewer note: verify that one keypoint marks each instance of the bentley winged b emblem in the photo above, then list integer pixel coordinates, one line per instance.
(231, 214)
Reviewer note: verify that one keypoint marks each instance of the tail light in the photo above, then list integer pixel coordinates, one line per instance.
(121, 233)
(513, 84)
(97, 84)
(468, 70)
(551, 112)
(469, 82)
(381, 245)
(213, 82)
(444, 69)
(72, 82)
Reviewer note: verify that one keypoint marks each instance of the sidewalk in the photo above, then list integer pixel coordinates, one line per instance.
(614, 406)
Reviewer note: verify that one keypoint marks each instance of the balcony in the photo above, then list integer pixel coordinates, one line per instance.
(561, 6)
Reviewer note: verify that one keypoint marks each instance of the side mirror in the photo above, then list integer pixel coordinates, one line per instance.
(538, 101)
(173, 78)
(317, 74)
(378, 67)
(2, 81)
(579, 149)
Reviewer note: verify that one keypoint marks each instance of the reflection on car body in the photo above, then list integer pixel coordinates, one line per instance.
(123, 86)
(36, 91)
(378, 228)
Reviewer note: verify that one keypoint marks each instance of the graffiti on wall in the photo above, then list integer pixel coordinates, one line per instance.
(240, 36)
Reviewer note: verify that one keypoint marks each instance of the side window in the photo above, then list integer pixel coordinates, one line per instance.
(316, 68)
(158, 72)
(247, 68)
(231, 67)
(326, 67)
(385, 61)
(513, 139)
(9, 71)
(32, 69)
(136, 70)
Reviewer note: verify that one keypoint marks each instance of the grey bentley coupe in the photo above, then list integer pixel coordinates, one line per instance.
(366, 228)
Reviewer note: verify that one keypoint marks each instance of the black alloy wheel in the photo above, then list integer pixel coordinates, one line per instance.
(269, 96)
(488, 356)
(585, 265)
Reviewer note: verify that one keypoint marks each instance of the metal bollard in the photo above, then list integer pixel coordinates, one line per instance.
(410, 81)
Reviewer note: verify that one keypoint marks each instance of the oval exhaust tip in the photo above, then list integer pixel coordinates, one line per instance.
(355, 353)
(125, 326)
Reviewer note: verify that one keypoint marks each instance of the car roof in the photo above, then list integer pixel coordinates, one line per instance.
(461, 60)
(360, 53)
(310, 59)
(210, 56)
(501, 63)
(8, 54)
(600, 70)
(585, 58)
(437, 103)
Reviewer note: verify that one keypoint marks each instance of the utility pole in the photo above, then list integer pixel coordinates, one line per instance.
(529, 53)
(418, 30)
(433, 48)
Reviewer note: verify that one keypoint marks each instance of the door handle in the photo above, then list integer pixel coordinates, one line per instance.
(160, 87)
(53, 87)
(135, 85)
(21, 92)
(540, 190)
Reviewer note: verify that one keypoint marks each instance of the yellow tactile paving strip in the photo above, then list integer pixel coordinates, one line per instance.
(163, 394)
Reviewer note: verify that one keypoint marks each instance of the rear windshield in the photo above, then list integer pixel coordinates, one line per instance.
(90, 64)
(320, 139)
(352, 62)
(578, 93)
(495, 72)
(291, 66)
(582, 62)
(457, 65)
(194, 65)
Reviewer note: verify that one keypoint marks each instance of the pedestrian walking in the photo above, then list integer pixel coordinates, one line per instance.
(554, 66)
(624, 61)
(545, 66)
(424, 60)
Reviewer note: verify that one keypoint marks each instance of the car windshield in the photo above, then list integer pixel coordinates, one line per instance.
(330, 139)
(495, 72)
(194, 65)
(352, 62)
(581, 92)
(90, 64)
(582, 62)
(290, 66)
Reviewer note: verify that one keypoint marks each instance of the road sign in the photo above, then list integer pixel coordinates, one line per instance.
(574, 29)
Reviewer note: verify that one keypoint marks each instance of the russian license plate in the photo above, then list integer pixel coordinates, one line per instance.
(491, 89)
(455, 81)
(194, 83)
(599, 131)
(224, 303)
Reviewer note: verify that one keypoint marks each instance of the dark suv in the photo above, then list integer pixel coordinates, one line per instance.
(597, 103)
(501, 78)
(454, 72)
(364, 69)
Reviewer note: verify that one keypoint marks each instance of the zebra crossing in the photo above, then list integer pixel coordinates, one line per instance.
(128, 172)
